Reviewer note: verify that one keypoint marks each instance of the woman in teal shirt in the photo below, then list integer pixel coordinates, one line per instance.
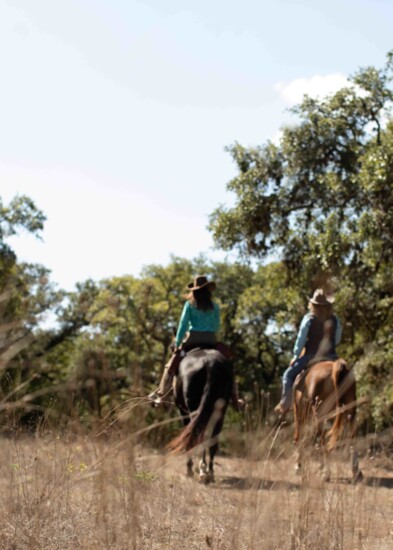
(198, 325)
(200, 316)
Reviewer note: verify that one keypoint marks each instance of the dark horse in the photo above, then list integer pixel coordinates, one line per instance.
(202, 391)
(327, 391)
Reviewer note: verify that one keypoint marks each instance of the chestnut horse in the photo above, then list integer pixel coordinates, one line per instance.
(327, 391)
(202, 391)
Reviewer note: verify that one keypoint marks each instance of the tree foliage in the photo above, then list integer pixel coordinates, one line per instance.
(315, 210)
(299, 197)
(322, 202)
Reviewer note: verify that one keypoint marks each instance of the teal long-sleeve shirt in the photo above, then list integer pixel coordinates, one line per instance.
(194, 319)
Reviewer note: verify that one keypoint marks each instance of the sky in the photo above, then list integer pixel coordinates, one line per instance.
(115, 115)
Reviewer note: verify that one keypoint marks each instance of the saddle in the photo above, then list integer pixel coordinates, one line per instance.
(300, 377)
(226, 352)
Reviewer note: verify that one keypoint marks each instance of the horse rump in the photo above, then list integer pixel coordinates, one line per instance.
(213, 402)
(327, 389)
(344, 384)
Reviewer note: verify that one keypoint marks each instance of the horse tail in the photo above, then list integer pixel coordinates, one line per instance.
(210, 412)
(340, 372)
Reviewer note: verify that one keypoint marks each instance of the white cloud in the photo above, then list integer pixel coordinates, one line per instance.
(316, 86)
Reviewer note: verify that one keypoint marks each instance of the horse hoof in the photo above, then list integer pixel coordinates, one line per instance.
(206, 478)
(190, 473)
(298, 469)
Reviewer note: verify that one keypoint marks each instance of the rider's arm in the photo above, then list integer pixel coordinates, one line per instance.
(302, 336)
(338, 333)
(183, 324)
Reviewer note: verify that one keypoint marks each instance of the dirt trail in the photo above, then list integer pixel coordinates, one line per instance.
(255, 504)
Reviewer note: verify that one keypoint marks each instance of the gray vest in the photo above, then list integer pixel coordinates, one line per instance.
(321, 337)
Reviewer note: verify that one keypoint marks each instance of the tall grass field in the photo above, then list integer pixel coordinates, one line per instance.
(109, 487)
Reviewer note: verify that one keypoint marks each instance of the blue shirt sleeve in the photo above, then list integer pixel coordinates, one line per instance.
(338, 333)
(302, 335)
(183, 324)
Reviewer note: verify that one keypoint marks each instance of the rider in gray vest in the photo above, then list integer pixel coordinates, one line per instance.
(319, 333)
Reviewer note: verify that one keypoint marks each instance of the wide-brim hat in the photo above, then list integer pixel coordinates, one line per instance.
(201, 281)
(319, 298)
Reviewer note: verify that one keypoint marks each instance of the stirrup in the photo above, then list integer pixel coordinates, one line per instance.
(156, 402)
(154, 396)
(155, 399)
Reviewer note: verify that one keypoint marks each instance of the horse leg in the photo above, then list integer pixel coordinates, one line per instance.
(190, 471)
(325, 466)
(203, 469)
(220, 410)
(320, 445)
(349, 399)
(296, 435)
(301, 411)
(208, 471)
(357, 474)
(212, 453)
(190, 462)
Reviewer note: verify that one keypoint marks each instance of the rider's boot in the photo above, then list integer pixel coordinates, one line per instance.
(284, 405)
(280, 409)
(165, 387)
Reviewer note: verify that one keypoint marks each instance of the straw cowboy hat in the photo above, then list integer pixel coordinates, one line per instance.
(201, 281)
(319, 298)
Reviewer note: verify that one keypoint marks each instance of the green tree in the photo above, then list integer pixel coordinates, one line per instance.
(24, 288)
(321, 201)
(26, 295)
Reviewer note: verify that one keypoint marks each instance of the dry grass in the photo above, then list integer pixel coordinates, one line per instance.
(68, 491)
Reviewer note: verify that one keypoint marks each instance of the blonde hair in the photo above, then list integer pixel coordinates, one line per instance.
(323, 312)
